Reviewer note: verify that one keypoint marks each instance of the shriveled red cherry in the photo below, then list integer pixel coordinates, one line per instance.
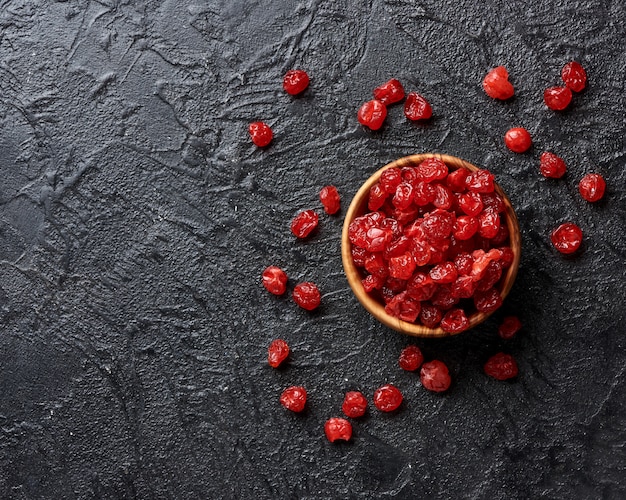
(372, 114)
(443, 273)
(501, 366)
(496, 84)
(456, 180)
(387, 398)
(430, 315)
(416, 107)
(354, 404)
(404, 307)
(331, 201)
(411, 358)
(454, 321)
(574, 76)
(304, 223)
(591, 187)
(389, 92)
(557, 98)
(518, 139)
(277, 352)
(390, 179)
(338, 429)
(432, 169)
(296, 81)
(294, 398)
(260, 133)
(487, 301)
(509, 327)
(435, 376)
(274, 280)
(480, 181)
(402, 266)
(471, 203)
(465, 227)
(307, 295)
(567, 238)
(551, 165)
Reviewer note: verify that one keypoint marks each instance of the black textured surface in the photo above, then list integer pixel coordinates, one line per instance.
(136, 218)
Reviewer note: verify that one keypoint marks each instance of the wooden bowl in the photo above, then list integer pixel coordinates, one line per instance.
(358, 207)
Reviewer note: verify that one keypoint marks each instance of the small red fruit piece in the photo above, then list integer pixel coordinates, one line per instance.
(435, 376)
(456, 179)
(487, 301)
(518, 139)
(443, 273)
(389, 92)
(387, 398)
(372, 114)
(591, 187)
(454, 321)
(557, 98)
(307, 295)
(403, 307)
(277, 352)
(304, 223)
(260, 133)
(509, 327)
(294, 398)
(330, 199)
(416, 107)
(274, 280)
(430, 315)
(574, 76)
(411, 358)
(501, 366)
(402, 266)
(551, 166)
(567, 238)
(496, 84)
(338, 429)
(295, 81)
(432, 169)
(390, 179)
(465, 227)
(480, 181)
(354, 404)
(471, 203)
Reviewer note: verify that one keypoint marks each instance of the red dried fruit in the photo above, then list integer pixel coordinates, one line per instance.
(358, 255)
(403, 196)
(443, 298)
(274, 280)
(438, 224)
(487, 301)
(496, 84)
(501, 366)
(304, 223)
(574, 76)
(354, 404)
(432, 169)
(390, 179)
(387, 398)
(260, 133)
(518, 140)
(443, 273)
(509, 327)
(329, 196)
(454, 321)
(567, 238)
(389, 92)
(296, 81)
(338, 429)
(411, 358)
(551, 166)
(277, 352)
(430, 315)
(421, 287)
(372, 114)
(480, 181)
(456, 180)
(470, 203)
(424, 193)
(444, 198)
(557, 98)
(403, 307)
(307, 295)
(463, 262)
(463, 288)
(491, 276)
(416, 107)
(435, 376)
(591, 187)
(465, 227)
(402, 267)
(377, 197)
(488, 223)
(371, 282)
(294, 398)
(375, 264)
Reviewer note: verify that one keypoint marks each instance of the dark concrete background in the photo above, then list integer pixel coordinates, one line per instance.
(136, 218)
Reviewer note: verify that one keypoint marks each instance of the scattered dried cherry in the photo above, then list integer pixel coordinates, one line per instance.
(338, 429)
(551, 166)
(557, 98)
(389, 92)
(501, 366)
(274, 280)
(509, 327)
(296, 81)
(567, 238)
(329, 196)
(435, 376)
(518, 139)
(416, 107)
(574, 76)
(304, 223)
(387, 398)
(354, 404)
(277, 352)
(591, 187)
(372, 114)
(307, 295)
(411, 358)
(260, 133)
(496, 84)
(294, 398)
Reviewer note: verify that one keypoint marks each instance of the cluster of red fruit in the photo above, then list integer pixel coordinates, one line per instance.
(567, 237)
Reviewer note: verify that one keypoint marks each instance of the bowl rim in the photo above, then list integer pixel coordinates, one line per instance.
(353, 274)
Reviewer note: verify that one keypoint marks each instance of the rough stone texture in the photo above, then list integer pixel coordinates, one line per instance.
(136, 218)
